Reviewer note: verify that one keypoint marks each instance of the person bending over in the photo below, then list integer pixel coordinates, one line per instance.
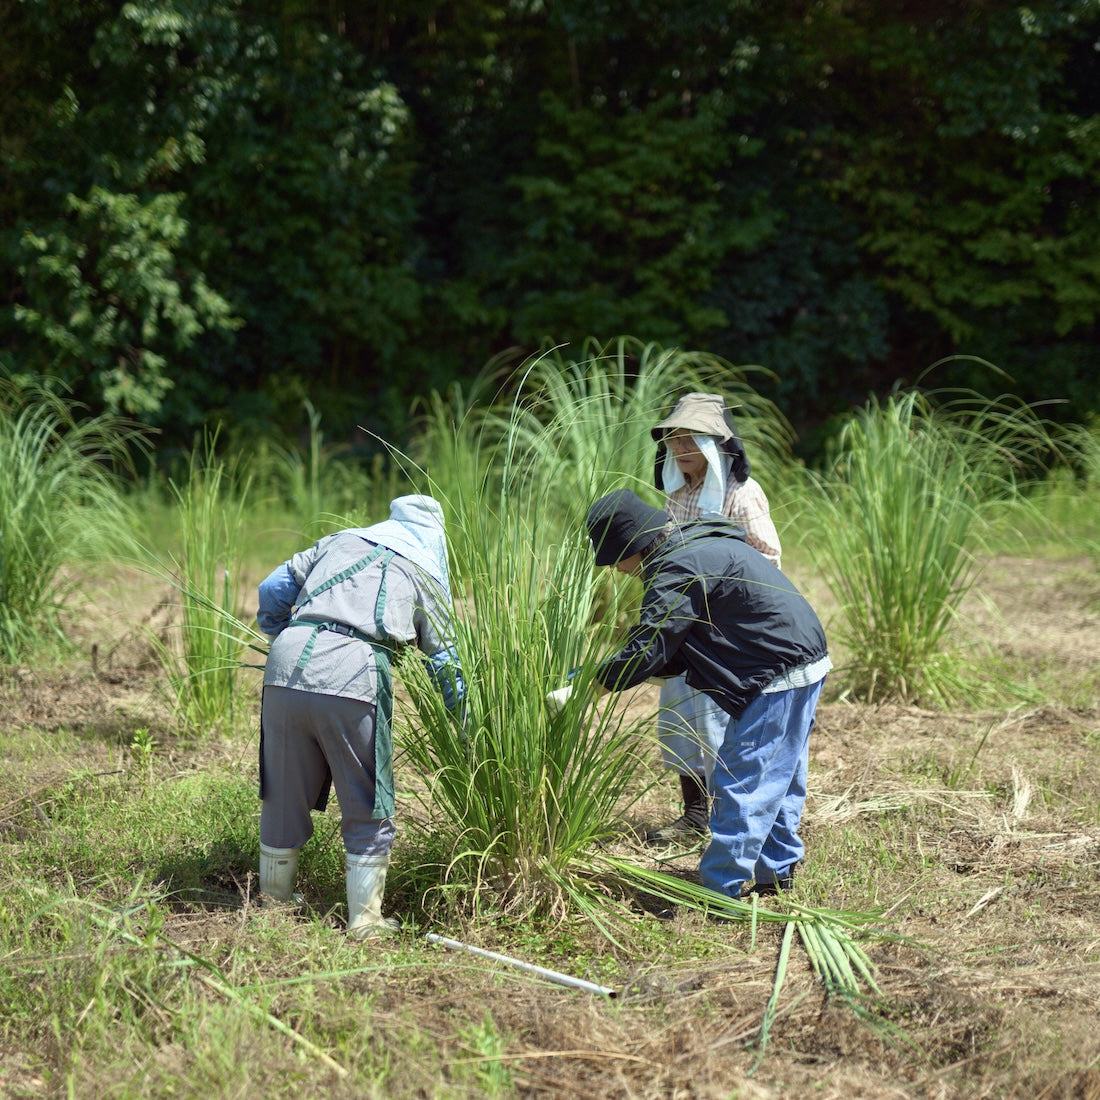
(339, 612)
(716, 611)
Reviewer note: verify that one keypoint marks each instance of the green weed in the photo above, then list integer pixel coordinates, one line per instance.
(61, 505)
(894, 528)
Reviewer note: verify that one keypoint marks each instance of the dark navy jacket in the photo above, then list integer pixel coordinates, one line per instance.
(718, 611)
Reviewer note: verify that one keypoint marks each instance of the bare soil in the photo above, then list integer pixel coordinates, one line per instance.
(976, 832)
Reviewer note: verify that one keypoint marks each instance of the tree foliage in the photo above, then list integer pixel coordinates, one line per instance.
(214, 209)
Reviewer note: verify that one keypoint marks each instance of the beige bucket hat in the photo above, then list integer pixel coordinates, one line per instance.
(700, 414)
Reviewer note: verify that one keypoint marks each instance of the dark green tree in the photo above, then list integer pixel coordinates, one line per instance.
(215, 208)
(101, 299)
(225, 220)
(964, 140)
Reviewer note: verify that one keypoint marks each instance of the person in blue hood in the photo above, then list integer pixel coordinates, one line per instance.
(719, 613)
(338, 613)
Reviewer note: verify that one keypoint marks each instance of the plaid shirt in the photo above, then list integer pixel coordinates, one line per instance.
(745, 503)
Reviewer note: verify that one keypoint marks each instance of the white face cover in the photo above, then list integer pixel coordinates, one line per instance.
(713, 495)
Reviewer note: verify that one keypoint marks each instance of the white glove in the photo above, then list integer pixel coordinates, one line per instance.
(556, 700)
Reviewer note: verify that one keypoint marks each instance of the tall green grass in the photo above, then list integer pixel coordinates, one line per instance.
(455, 454)
(523, 806)
(1061, 512)
(893, 526)
(305, 490)
(524, 795)
(568, 428)
(520, 793)
(581, 425)
(202, 660)
(62, 506)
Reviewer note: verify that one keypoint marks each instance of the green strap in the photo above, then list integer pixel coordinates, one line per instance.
(384, 795)
(321, 625)
(343, 575)
(340, 628)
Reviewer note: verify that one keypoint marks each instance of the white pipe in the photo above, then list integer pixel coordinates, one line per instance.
(550, 975)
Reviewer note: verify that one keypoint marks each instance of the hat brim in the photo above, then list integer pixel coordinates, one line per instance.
(700, 414)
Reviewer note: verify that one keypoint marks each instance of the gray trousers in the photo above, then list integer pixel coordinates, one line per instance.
(307, 737)
(691, 727)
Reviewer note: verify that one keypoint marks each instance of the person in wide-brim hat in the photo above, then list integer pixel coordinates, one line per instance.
(702, 468)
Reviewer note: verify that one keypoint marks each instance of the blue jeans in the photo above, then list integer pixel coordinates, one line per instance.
(759, 791)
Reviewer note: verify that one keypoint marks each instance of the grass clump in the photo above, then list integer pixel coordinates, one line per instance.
(202, 659)
(894, 525)
(522, 793)
(62, 505)
(580, 426)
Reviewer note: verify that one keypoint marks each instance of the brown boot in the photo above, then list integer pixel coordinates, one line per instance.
(694, 822)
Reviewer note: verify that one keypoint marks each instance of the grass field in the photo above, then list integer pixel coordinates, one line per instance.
(136, 962)
(952, 824)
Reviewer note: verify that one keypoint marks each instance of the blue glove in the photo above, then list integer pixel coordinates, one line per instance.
(446, 672)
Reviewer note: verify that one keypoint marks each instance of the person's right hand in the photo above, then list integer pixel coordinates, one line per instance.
(556, 700)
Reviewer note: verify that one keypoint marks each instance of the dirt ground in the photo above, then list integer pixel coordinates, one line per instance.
(977, 832)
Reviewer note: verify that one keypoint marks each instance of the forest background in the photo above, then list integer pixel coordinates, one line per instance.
(211, 210)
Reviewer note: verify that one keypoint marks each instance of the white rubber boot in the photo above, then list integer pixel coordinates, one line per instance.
(278, 873)
(366, 877)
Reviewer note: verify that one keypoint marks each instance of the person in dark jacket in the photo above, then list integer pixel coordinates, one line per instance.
(716, 611)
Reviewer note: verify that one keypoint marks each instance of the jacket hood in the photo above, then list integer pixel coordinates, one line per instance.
(415, 531)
